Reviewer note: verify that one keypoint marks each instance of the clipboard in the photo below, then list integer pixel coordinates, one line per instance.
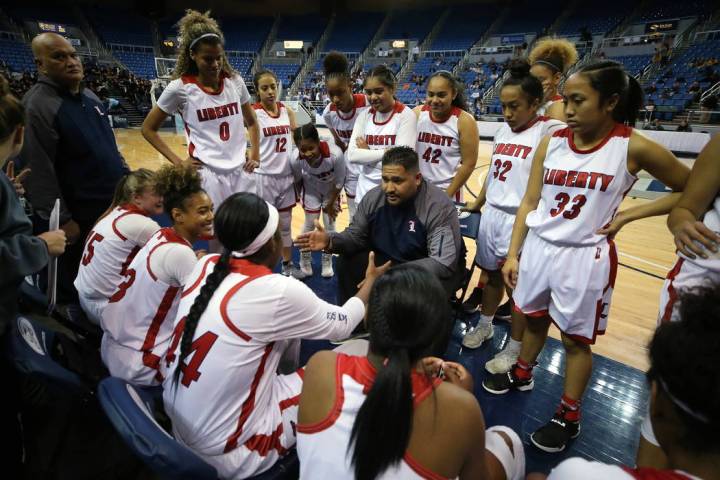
(52, 266)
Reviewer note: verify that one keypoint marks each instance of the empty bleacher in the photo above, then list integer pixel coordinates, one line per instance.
(122, 27)
(463, 27)
(414, 24)
(352, 33)
(17, 55)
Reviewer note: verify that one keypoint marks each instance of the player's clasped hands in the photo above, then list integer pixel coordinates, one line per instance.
(696, 239)
(451, 372)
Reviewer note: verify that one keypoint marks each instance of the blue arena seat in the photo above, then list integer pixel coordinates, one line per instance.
(130, 410)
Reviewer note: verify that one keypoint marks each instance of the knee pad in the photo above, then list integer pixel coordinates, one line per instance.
(285, 221)
(513, 461)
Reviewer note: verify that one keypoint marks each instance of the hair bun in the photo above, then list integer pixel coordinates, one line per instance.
(519, 68)
(335, 62)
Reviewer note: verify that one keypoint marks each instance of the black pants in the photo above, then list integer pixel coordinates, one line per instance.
(351, 271)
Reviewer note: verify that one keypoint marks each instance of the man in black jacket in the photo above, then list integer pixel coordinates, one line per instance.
(71, 150)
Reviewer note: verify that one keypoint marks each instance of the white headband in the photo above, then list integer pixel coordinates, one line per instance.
(263, 237)
(205, 35)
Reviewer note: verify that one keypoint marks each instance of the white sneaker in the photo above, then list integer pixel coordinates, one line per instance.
(327, 266)
(291, 270)
(476, 336)
(502, 361)
(306, 263)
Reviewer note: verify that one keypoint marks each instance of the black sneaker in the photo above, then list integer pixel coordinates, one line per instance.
(473, 301)
(504, 382)
(554, 436)
(503, 312)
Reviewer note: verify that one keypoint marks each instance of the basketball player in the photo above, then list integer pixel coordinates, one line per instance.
(138, 319)
(683, 398)
(550, 59)
(695, 224)
(514, 147)
(389, 415)
(388, 123)
(115, 240)
(340, 115)
(275, 182)
(322, 169)
(235, 321)
(214, 103)
(447, 141)
(567, 272)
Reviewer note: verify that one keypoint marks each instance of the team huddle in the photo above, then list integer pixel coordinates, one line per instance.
(220, 332)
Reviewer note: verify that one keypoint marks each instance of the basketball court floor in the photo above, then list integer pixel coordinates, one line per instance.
(615, 400)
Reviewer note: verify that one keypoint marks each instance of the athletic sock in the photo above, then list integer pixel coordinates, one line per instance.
(485, 320)
(569, 408)
(523, 370)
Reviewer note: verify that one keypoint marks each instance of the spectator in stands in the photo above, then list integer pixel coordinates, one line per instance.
(684, 126)
(405, 220)
(676, 86)
(651, 89)
(71, 150)
(654, 125)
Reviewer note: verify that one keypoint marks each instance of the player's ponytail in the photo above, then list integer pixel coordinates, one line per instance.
(408, 313)
(195, 29)
(238, 221)
(307, 131)
(609, 78)
(683, 360)
(336, 65)
(457, 87)
(131, 184)
(520, 76)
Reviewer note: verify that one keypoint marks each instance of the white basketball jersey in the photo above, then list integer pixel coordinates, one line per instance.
(213, 120)
(321, 177)
(342, 123)
(323, 448)
(379, 136)
(711, 219)
(511, 162)
(438, 147)
(140, 312)
(276, 142)
(228, 394)
(582, 190)
(576, 467)
(108, 253)
(545, 106)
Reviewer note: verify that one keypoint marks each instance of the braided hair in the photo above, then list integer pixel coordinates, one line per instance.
(307, 131)
(407, 316)
(384, 75)
(238, 221)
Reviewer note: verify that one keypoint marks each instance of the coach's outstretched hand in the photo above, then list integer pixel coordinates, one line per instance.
(313, 241)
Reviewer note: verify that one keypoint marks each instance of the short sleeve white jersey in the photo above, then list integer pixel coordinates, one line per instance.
(582, 189)
(276, 142)
(438, 147)
(546, 106)
(110, 247)
(140, 312)
(227, 391)
(342, 123)
(511, 162)
(330, 169)
(213, 120)
(574, 468)
(711, 219)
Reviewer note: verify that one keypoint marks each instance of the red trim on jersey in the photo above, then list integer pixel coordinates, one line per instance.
(539, 118)
(537, 314)
(194, 80)
(286, 209)
(619, 130)
(359, 101)
(130, 209)
(420, 470)
(280, 106)
(170, 236)
(262, 444)
(129, 259)
(252, 271)
(646, 473)
(556, 98)
(249, 403)
(454, 111)
(324, 149)
(672, 293)
(289, 402)
(336, 410)
(149, 359)
(397, 108)
(189, 290)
